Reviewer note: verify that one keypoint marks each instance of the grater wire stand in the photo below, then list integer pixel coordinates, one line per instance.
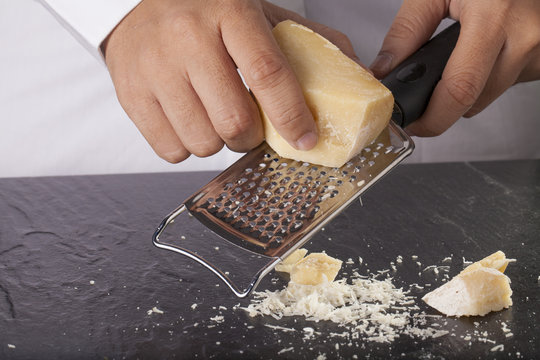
(266, 206)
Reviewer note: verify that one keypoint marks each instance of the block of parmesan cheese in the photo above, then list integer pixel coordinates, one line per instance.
(314, 269)
(287, 264)
(350, 106)
(479, 289)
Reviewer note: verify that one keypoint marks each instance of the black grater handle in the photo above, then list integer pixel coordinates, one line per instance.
(414, 80)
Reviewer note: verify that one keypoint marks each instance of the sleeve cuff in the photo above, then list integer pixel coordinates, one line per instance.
(90, 21)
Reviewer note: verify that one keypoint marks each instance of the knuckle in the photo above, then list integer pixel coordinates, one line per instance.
(463, 88)
(403, 28)
(186, 26)
(290, 119)
(233, 124)
(266, 68)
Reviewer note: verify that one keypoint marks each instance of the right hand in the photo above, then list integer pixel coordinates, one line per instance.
(174, 66)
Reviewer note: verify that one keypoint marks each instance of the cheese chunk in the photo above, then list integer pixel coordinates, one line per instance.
(287, 264)
(477, 290)
(314, 269)
(350, 106)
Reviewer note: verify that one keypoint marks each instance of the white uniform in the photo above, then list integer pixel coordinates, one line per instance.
(59, 114)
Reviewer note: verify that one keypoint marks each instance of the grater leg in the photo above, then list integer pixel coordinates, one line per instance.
(211, 245)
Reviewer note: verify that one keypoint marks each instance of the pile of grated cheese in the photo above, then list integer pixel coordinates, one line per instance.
(367, 308)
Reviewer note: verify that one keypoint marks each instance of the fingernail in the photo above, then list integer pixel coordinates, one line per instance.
(307, 141)
(382, 64)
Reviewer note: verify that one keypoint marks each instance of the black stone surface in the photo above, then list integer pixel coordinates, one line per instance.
(59, 234)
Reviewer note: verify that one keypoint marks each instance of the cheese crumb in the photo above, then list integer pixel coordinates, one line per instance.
(193, 307)
(499, 347)
(154, 310)
(92, 282)
(11, 346)
(285, 350)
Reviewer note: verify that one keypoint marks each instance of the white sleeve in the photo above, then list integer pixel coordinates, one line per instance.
(90, 21)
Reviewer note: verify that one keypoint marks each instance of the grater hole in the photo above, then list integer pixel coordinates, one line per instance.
(291, 170)
(261, 205)
(253, 200)
(284, 204)
(292, 210)
(274, 200)
(388, 149)
(280, 190)
(312, 212)
(371, 163)
(228, 186)
(295, 226)
(288, 195)
(306, 205)
(244, 195)
(236, 190)
(251, 185)
(256, 175)
(299, 175)
(375, 154)
(222, 197)
(285, 180)
(248, 171)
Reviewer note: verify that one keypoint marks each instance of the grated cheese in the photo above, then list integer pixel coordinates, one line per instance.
(367, 307)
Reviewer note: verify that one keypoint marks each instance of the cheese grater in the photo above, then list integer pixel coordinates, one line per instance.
(265, 206)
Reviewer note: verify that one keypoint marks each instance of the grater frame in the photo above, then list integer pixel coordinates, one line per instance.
(270, 206)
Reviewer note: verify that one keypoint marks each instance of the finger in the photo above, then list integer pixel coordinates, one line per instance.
(464, 76)
(266, 71)
(232, 111)
(148, 116)
(504, 74)
(186, 114)
(413, 25)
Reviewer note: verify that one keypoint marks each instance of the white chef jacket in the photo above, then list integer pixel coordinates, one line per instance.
(61, 102)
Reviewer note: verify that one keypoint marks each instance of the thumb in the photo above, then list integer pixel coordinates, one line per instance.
(413, 25)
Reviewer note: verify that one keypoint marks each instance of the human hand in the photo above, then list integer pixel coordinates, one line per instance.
(174, 67)
(498, 46)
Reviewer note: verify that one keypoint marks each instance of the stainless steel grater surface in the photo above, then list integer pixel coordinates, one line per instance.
(271, 206)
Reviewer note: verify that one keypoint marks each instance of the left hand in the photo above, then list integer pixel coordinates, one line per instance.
(498, 46)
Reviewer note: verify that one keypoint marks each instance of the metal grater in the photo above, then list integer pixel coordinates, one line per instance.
(264, 207)
(268, 206)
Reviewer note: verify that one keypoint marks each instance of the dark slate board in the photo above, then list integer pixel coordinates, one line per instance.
(57, 234)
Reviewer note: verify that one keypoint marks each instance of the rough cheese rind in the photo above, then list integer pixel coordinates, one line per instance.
(477, 290)
(350, 106)
(315, 269)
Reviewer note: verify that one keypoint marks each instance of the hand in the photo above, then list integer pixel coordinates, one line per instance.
(174, 66)
(498, 46)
